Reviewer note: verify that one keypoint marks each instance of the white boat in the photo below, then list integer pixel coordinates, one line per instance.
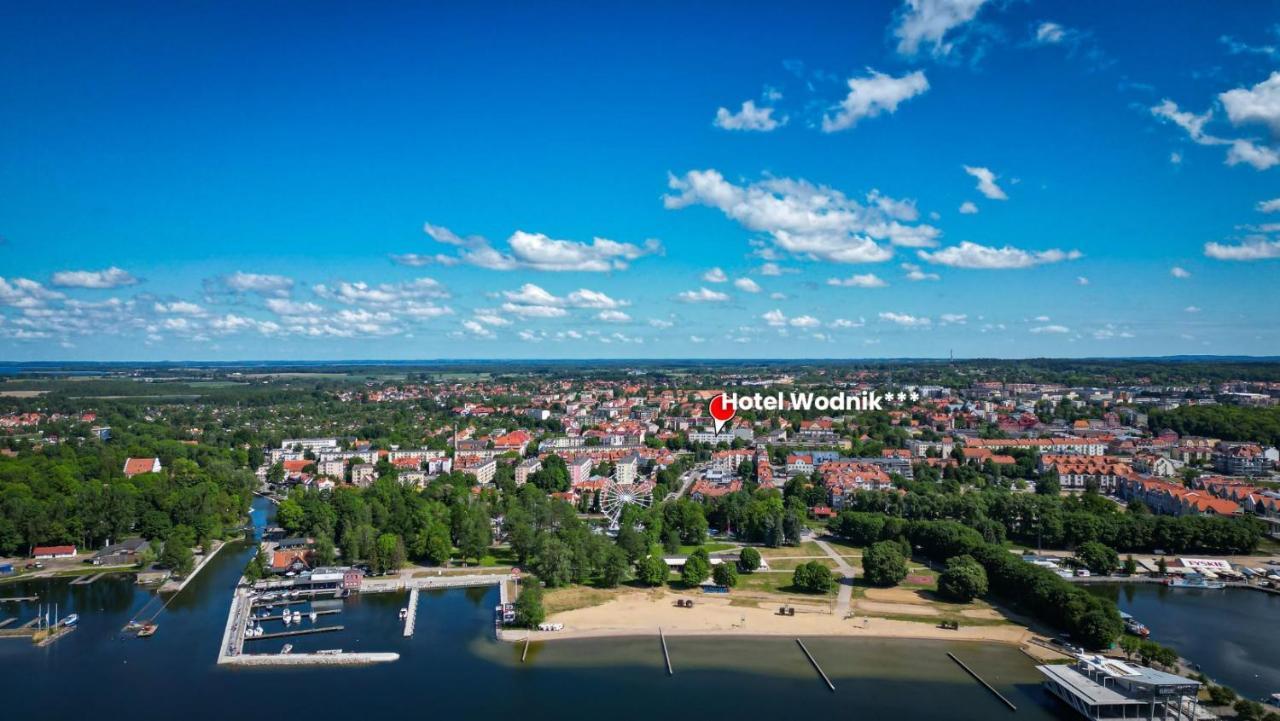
(314, 616)
(287, 619)
(404, 612)
(1194, 580)
(297, 616)
(288, 648)
(71, 619)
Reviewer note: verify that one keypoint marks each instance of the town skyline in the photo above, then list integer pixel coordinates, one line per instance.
(885, 181)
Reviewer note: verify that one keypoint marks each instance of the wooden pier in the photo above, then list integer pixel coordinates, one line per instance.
(19, 599)
(86, 580)
(411, 616)
(8, 621)
(525, 654)
(980, 680)
(299, 632)
(666, 655)
(818, 668)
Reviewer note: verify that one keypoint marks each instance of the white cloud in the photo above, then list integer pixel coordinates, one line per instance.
(1269, 206)
(179, 307)
(1260, 157)
(1057, 329)
(697, 339)
(530, 294)
(1081, 280)
(775, 317)
(284, 306)
(986, 182)
(771, 269)
(660, 323)
(1251, 249)
(536, 251)
(954, 318)
(1050, 33)
(968, 208)
(1179, 272)
(915, 274)
(408, 296)
(477, 329)
(535, 311)
(805, 321)
(1188, 121)
(715, 275)
(26, 293)
(748, 118)
(489, 317)
(702, 295)
(927, 22)
(1259, 104)
(112, 277)
(809, 221)
(905, 319)
(871, 95)
(974, 256)
(1249, 107)
(262, 284)
(864, 280)
(846, 323)
(746, 285)
(1191, 309)
(1175, 157)
(613, 316)
(413, 260)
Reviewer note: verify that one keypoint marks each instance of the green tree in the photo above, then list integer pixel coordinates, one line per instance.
(725, 574)
(653, 571)
(749, 559)
(812, 577)
(1098, 557)
(884, 564)
(614, 567)
(963, 580)
(528, 606)
(696, 568)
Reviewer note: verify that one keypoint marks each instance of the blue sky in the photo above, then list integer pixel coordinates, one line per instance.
(312, 180)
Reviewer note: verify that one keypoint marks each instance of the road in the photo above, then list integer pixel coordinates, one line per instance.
(846, 584)
(686, 479)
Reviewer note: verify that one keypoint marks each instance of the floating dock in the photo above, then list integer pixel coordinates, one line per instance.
(980, 680)
(816, 667)
(299, 632)
(8, 621)
(412, 617)
(281, 616)
(19, 599)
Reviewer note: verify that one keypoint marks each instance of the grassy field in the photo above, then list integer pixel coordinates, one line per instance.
(779, 583)
(789, 564)
(808, 548)
(570, 598)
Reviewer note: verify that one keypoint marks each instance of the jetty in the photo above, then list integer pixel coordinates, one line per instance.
(666, 655)
(309, 659)
(8, 621)
(86, 580)
(19, 599)
(816, 667)
(280, 617)
(980, 680)
(412, 616)
(297, 632)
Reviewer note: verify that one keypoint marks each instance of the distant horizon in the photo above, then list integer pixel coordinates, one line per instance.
(639, 360)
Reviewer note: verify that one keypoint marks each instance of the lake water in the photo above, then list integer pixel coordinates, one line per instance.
(1233, 634)
(453, 668)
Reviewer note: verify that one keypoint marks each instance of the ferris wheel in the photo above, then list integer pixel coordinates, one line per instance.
(615, 497)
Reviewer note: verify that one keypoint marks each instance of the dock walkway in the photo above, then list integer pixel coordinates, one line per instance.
(411, 618)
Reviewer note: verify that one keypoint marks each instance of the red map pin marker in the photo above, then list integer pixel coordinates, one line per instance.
(722, 411)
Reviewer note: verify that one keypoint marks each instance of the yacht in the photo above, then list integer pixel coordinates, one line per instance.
(71, 619)
(1134, 626)
(1194, 580)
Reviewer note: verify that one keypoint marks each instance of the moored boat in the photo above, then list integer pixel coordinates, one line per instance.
(1194, 580)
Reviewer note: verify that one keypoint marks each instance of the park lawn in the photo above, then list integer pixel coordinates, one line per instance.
(569, 598)
(843, 547)
(712, 547)
(789, 564)
(779, 583)
(808, 548)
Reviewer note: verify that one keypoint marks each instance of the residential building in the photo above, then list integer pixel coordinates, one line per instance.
(138, 466)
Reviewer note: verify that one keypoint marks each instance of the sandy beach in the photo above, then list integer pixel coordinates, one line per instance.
(643, 613)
